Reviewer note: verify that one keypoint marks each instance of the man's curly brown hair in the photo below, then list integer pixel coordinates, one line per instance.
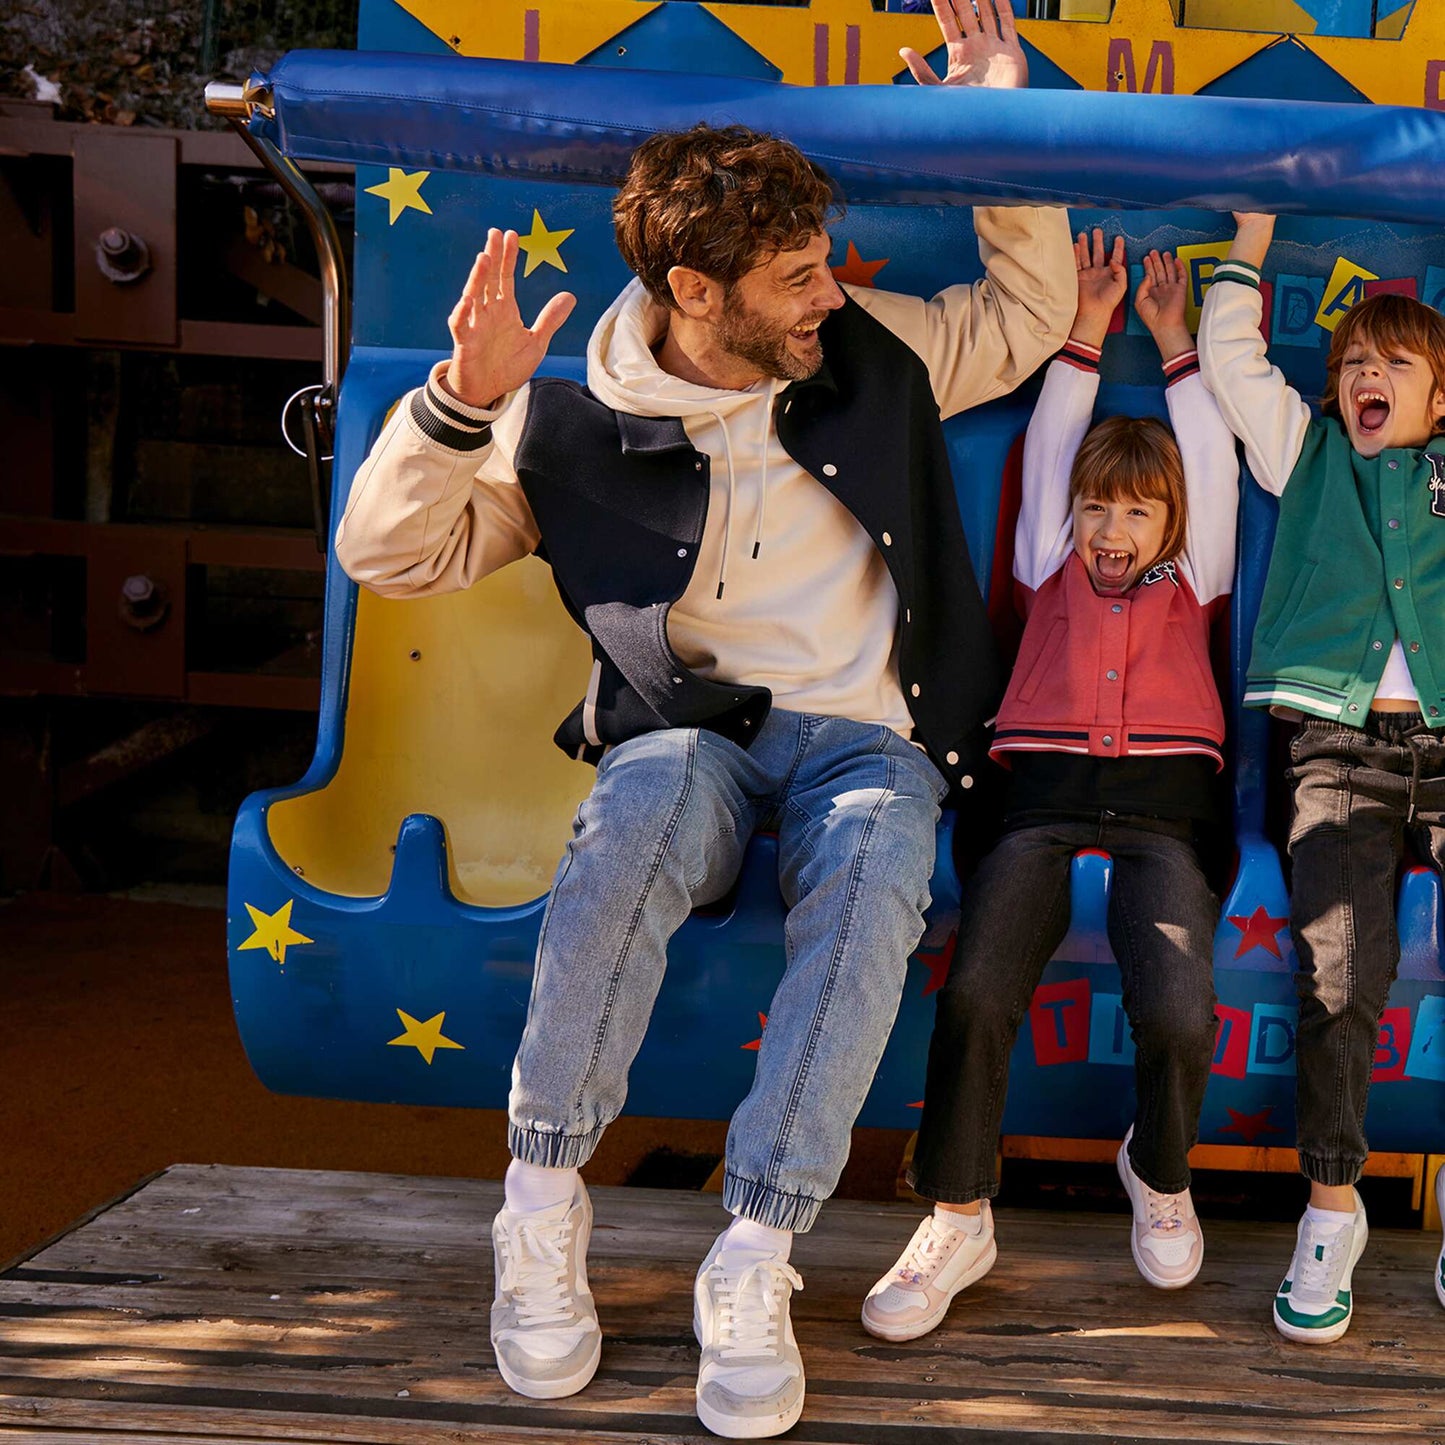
(718, 201)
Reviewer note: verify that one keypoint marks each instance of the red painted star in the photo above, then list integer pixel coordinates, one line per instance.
(757, 1043)
(855, 270)
(1259, 931)
(1250, 1126)
(938, 965)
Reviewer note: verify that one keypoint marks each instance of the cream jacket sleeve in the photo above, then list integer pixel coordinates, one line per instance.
(981, 341)
(436, 504)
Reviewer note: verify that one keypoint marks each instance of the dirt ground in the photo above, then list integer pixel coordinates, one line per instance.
(118, 1056)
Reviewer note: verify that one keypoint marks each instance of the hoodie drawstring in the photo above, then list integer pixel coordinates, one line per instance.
(722, 571)
(763, 493)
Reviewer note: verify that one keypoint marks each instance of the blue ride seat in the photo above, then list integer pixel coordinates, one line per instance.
(384, 909)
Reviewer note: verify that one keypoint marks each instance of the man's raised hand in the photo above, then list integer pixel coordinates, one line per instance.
(493, 352)
(983, 46)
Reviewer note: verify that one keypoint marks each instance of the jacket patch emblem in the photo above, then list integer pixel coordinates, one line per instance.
(1168, 569)
(1437, 484)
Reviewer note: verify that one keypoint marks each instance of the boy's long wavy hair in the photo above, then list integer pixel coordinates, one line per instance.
(1393, 323)
(718, 201)
(1125, 457)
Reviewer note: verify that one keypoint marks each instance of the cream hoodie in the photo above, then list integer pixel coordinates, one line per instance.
(807, 607)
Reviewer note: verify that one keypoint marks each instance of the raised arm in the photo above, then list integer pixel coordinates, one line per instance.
(1044, 536)
(1206, 445)
(981, 341)
(436, 505)
(1260, 407)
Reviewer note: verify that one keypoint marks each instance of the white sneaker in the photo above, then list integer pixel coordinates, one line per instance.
(544, 1323)
(1314, 1304)
(1440, 1263)
(939, 1262)
(750, 1376)
(1166, 1240)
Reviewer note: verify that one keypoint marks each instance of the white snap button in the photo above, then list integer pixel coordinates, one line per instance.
(915, 689)
(682, 551)
(887, 540)
(829, 470)
(678, 681)
(908, 614)
(950, 758)
(965, 781)
(1108, 741)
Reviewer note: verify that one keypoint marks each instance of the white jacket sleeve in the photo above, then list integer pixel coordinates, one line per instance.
(1211, 480)
(436, 505)
(981, 341)
(1259, 406)
(1062, 417)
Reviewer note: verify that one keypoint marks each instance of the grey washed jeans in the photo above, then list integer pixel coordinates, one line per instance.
(1359, 794)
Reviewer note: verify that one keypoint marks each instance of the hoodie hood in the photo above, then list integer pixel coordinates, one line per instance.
(623, 373)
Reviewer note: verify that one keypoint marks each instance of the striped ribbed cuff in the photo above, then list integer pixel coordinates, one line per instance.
(1240, 271)
(451, 424)
(1181, 366)
(1081, 355)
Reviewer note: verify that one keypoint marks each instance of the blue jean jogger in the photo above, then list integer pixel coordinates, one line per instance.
(663, 831)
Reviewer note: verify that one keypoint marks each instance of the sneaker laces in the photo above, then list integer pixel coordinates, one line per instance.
(1319, 1269)
(1166, 1211)
(750, 1306)
(536, 1269)
(925, 1253)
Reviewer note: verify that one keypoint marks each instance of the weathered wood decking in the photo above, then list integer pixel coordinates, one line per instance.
(279, 1305)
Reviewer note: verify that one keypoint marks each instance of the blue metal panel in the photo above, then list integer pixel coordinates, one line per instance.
(1286, 68)
(682, 40)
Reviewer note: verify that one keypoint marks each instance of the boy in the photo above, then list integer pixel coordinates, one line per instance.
(1351, 635)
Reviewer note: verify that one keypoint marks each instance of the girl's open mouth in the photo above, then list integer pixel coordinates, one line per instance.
(1110, 567)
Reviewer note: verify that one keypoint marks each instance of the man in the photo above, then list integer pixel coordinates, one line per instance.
(750, 512)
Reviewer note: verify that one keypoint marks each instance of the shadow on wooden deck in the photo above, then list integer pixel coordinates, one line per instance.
(284, 1305)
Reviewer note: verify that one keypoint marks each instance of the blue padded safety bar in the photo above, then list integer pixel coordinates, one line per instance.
(909, 144)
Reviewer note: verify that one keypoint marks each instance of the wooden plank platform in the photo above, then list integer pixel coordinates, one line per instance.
(250, 1305)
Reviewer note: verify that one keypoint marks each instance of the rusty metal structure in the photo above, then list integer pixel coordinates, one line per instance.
(127, 246)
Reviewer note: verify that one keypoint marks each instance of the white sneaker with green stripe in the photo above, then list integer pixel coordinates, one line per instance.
(1314, 1304)
(1440, 1263)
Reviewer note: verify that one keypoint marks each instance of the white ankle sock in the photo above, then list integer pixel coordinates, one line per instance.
(953, 1219)
(533, 1187)
(762, 1240)
(1329, 1218)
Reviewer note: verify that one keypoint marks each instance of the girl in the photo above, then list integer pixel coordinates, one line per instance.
(1113, 730)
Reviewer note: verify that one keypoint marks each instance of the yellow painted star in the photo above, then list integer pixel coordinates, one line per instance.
(1141, 48)
(542, 245)
(401, 190)
(1408, 71)
(273, 932)
(426, 1038)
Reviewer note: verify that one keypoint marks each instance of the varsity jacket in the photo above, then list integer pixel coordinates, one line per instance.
(1354, 602)
(725, 549)
(1124, 676)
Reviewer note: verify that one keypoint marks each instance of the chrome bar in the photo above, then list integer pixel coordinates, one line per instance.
(237, 103)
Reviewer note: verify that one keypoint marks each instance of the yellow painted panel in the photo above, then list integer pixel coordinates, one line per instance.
(500, 29)
(1410, 71)
(1095, 10)
(463, 731)
(1276, 16)
(1141, 49)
